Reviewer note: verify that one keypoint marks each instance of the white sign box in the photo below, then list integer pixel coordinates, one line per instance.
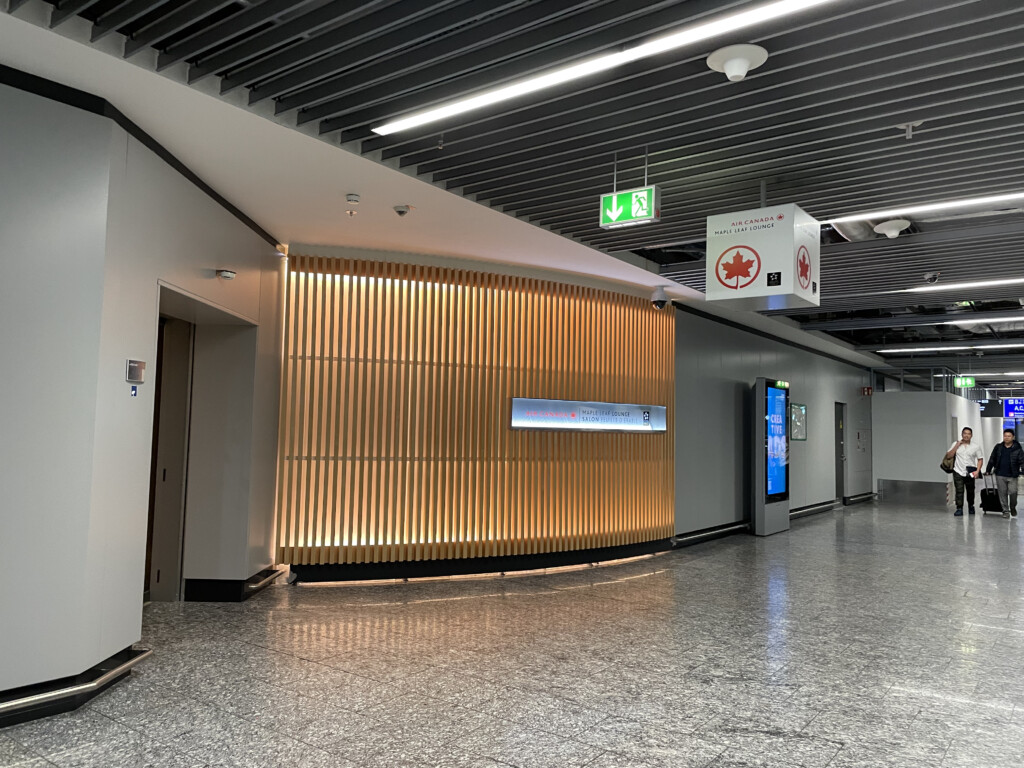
(766, 258)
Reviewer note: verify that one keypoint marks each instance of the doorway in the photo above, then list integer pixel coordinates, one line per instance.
(170, 458)
(840, 451)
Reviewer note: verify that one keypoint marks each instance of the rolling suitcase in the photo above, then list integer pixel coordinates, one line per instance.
(990, 498)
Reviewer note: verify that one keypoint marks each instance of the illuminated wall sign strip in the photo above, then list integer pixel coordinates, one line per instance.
(582, 416)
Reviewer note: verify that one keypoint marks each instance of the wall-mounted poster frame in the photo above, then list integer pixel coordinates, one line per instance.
(797, 421)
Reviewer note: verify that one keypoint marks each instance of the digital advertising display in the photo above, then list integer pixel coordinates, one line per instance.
(991, 408)
(777, 449)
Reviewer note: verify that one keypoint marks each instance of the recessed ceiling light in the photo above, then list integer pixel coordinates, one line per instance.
(687, 36)
(910, 210)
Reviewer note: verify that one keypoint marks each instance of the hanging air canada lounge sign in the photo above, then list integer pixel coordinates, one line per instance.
(766, 258)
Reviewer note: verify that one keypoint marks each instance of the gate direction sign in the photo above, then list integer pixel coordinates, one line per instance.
(630, 207)
(1013, 407)
(963, 382)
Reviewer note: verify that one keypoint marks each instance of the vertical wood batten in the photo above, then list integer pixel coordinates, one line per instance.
(395, 403)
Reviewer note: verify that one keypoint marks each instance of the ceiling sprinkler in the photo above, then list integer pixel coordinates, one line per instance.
(736, 60)
(892, 228)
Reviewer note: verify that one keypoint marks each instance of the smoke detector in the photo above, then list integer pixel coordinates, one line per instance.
(352, 198)
(736, 60)
(892, 228)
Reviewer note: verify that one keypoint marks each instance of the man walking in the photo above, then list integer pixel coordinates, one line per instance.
(969, 459)
(1007, 460)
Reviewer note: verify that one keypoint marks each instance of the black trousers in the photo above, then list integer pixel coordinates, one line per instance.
(961, 484)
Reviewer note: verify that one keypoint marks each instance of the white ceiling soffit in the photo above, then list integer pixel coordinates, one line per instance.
(292, 184)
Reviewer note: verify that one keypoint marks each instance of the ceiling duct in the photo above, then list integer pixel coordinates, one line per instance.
(984, 330)
(855, 231)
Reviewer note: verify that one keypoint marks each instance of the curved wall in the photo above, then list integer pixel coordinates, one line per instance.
(396, 397)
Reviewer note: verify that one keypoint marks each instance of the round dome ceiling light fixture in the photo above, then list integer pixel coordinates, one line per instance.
(892, 228)
(736, 60)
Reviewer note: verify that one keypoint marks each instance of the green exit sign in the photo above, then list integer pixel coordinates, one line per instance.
(963, 382)
(630, 207)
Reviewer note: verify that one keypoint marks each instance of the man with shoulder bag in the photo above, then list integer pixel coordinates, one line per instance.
(1007, 460)
(967, 459)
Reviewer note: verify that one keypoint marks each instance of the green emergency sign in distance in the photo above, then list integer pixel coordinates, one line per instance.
(631, 206)
(963, 382)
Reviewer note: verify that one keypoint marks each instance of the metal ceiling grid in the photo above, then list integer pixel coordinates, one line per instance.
(817, 123)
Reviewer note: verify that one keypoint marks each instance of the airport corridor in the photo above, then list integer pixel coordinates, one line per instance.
(871, 636)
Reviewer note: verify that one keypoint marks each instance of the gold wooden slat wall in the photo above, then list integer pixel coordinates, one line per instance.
(396, 402)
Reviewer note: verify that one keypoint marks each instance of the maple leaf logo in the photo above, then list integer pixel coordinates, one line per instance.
(804, 267)
(781, 216)
(738, 267)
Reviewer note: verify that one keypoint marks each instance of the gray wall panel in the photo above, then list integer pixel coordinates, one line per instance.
(715, 368)
(54, 167)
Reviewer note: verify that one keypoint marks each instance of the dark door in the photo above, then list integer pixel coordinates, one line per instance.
(170, 450)
(840, 451)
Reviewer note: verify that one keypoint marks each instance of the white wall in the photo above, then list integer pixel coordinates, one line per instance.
(716, 366)
(219, 469)
(967, 414)
(92, 223)
(991, 434)
(165, 230)
(912, 431)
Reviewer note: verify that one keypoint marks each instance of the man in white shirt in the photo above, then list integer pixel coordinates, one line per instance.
(969, 460)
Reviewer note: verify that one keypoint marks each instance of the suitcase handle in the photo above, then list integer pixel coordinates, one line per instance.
(987, 486)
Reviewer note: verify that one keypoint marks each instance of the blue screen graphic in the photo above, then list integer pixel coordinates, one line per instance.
(778, 446)
(1013, 408)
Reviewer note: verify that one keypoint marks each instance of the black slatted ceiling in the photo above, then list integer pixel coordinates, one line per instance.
(817, 123)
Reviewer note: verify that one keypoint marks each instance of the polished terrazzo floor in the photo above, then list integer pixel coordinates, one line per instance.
(867, 637)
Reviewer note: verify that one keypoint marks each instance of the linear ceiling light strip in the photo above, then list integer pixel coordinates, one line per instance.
(916, 209)
(687, 36)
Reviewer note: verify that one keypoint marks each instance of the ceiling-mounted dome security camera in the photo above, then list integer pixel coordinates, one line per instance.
(659, 299)
(402, 210)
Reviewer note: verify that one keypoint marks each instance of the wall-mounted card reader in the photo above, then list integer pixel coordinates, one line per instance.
(136, 372)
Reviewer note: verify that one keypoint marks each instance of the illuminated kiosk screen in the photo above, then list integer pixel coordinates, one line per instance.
(776, 476)
(1013, 408)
